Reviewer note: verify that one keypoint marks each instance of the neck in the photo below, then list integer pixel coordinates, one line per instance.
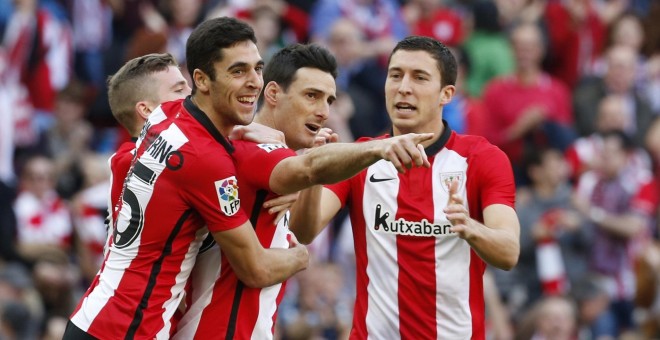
(436, 127)
(528, 76)
(204, 104)
(544, 190)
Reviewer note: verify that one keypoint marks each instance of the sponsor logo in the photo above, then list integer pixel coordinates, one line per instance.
(447, 177)
(373, 179)
(271, 147)
(382, 223)
(227, 190)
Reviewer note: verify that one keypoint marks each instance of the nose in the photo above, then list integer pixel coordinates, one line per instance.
(323, 111)
(255, 80)
(404, 85)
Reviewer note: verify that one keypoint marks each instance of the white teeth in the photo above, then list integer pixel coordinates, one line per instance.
(246, 99)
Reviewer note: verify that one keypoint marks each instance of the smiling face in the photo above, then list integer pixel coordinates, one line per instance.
(413, 92)
(238, 82)
(302, 110)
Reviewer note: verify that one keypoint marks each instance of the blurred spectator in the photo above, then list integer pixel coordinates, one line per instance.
(91, 22)
(539, 113)
(359, 77)
(553, 318)
(319, 310)
(48, 67)
(20, 307)
(648, 264)
(90, 210)
(577, 35)
(70, 137)
(620, 80)
(592, 301)
(433, 18)
(553, 246)
(380, 22)
(617, 220)
(44, 221)
(516, 12)
(583, 153)
(487, 48)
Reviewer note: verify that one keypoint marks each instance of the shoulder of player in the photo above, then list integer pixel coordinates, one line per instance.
(472, 145)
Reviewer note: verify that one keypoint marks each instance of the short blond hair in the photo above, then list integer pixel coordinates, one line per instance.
(131, 84)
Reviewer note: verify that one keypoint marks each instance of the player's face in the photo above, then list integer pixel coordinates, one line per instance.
(303, 109)
(413, 92)
(238, 82)
(171, 85)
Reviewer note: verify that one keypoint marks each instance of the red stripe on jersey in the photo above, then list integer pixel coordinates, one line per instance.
(359, 330)
(416, 260)
(477, 269)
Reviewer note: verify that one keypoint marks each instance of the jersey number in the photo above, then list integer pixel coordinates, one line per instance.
(124, 235)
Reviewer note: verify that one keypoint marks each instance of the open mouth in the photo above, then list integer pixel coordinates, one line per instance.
(405, 107)
(313, 128)
(249, 100)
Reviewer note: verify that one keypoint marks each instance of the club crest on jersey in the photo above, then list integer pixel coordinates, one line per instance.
(447, 177)
(227, 190)
(271, 147)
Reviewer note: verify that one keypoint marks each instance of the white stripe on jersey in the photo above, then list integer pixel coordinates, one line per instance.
(177, 290)
(206, 271)
(383, 305)
(268, 295)
(120, 259)
(452, 256)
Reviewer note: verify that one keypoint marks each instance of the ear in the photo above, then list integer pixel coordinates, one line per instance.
(270, 93)
(446, 93)
(143, 109)
(201, 80)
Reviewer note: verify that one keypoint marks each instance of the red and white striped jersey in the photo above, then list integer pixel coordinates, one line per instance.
(415, 278)
(181, 179)
(220, 306)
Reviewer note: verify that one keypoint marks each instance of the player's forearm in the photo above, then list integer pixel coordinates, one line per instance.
(498, 247)
(335, 162)
(305, 219)
(275, 266)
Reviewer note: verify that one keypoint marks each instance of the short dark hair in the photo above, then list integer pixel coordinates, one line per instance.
(130, 85)
(205, 44)
(283, 65)
(445, 60)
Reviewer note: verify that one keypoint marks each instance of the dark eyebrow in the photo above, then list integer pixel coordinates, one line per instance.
(315, 90)
(242, 64)
(415, 71)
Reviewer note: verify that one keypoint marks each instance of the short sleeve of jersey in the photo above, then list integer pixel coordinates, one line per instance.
(343, 189)
(212, 189)
(495, 177)
(257, 161)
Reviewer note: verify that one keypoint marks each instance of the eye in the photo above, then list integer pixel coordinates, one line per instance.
(395, 75)
(259, 68)
(238, 71)
(311, 95)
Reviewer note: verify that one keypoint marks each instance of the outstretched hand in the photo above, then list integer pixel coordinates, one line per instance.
(406, 150)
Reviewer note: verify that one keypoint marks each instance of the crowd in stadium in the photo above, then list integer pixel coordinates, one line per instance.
(568, 89)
